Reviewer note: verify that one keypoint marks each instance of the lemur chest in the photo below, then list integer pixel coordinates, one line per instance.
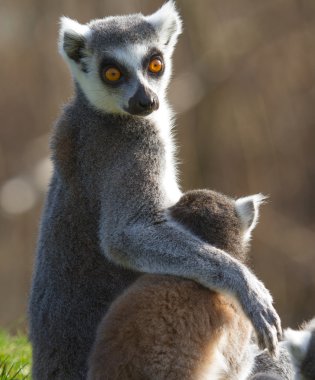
(143, 155)
(169, 184)
(168, 176)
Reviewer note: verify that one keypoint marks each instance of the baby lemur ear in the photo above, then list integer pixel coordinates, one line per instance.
(168, 24)
(247, 209)
(73, 39)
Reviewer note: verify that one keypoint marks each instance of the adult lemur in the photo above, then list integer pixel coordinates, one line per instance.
(114, 176)
(166, 327)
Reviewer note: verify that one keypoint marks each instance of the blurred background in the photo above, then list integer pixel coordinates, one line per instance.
(244, 92)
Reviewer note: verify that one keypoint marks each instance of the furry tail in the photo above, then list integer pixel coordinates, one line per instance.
(301, 345)
(265, 376)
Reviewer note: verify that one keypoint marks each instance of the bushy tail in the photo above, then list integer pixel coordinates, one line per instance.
(301, 345)
(265, 376)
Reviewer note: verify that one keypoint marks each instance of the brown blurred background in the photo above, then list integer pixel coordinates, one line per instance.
(244, 90)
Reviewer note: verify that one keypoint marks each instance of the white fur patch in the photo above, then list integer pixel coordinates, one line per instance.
(217, 368)
(218, 365)
(248, 211)
(67, 25)
(131, 56)
(298, 342)
(89, 82)
(167, 22)
(163, 121)
(310, 325)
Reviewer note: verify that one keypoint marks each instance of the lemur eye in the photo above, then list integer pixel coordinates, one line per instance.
(112, 74)
(156, 65)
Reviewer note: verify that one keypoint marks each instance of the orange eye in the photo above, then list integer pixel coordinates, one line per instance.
(112, 74)
(156, 66)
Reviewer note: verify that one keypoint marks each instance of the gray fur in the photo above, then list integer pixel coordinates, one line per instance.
(104, 221)
(115, 31)
(121, 31)
(301, 345)
(265, 376)
(267, 367)
(308, 363)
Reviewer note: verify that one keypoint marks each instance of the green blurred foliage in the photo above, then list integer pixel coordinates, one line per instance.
(15, 357)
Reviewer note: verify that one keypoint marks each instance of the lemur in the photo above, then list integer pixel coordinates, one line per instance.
(114, 175)
(166, 327)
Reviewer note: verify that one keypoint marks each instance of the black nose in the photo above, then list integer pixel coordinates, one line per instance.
(148, 103)
(143, 102)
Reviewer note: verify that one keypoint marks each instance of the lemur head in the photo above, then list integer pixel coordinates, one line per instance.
(219, 220)
(122, 64)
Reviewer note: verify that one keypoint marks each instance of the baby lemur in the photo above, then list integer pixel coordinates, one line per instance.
(114, 176)
(169, 328)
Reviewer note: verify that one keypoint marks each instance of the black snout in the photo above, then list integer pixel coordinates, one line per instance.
(143, 102)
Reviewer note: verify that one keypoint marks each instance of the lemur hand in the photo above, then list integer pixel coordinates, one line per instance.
(257, 304)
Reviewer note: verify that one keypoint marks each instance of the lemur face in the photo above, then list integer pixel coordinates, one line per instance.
(219, 220)
(122, 64)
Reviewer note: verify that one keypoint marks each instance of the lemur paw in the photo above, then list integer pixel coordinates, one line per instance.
(265, 320)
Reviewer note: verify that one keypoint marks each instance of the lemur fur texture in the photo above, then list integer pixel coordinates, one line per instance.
(114, 176)
(169, 328)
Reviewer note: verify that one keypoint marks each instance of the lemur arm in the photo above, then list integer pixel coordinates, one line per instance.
(167, 248)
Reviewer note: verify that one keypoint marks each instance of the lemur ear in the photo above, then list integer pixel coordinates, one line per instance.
(72, 39)
(247, 209)
(168, 24)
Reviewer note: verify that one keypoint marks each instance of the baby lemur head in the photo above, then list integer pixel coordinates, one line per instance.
(122, 64)
(219, 220)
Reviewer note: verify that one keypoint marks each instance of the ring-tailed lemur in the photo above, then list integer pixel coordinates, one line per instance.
(167, 327)
(114, 175)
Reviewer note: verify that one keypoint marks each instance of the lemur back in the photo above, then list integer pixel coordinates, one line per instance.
(166, 327)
